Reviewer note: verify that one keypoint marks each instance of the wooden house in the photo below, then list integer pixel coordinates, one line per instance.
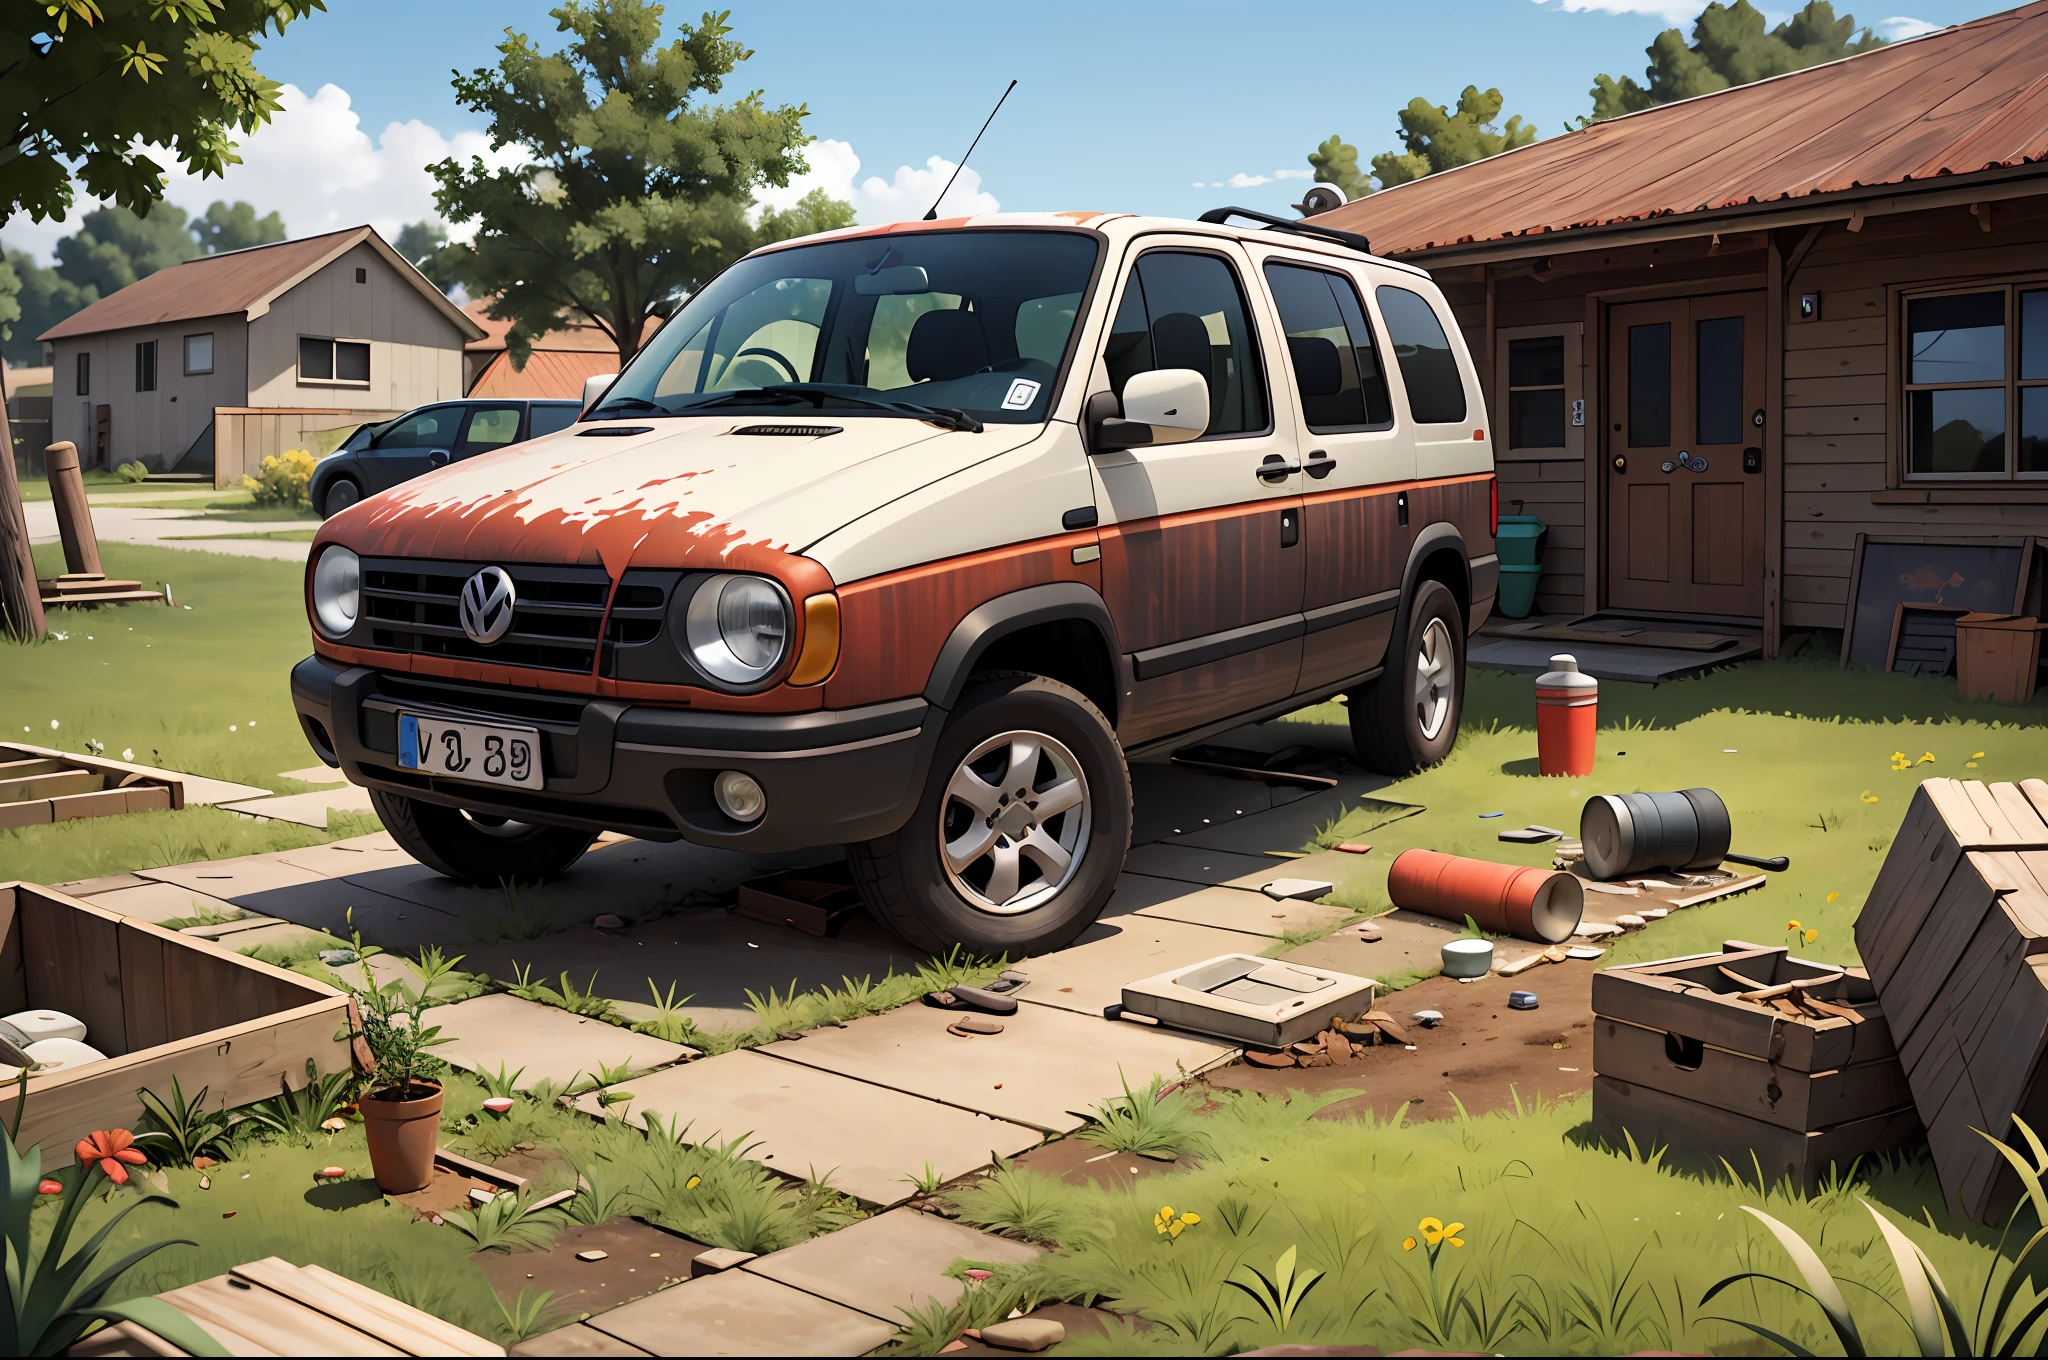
(1731, 341)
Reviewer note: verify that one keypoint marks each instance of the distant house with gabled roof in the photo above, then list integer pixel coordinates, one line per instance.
(214, 362)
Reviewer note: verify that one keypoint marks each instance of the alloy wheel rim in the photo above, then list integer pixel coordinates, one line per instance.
(1013, 824)
(1435, 676)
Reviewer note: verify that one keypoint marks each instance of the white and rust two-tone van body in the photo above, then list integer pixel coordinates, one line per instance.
(905, 538)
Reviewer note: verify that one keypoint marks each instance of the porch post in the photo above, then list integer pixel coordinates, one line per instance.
(1774, 444)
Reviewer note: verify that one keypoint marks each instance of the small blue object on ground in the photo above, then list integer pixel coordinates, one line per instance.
(1522, 1001)
(1493, 814)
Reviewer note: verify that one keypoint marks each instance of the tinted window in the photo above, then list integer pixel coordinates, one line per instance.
(1957, 339)
(490, 427)
(1336, 364)
(1649, 386)
(1187, 311)
(1436, 390)
(1717, 354)
(548, 419)
(433, 428)
(1536, 392)
(316, 358)
(351, 361)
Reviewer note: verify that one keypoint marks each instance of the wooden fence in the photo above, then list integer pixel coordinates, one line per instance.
(243, 436)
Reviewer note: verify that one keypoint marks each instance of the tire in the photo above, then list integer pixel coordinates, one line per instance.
(478, 849)
(341, 493)
(1407, 720)
(934, 901)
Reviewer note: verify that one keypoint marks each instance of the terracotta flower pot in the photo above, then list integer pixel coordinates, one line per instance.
(403, 1135)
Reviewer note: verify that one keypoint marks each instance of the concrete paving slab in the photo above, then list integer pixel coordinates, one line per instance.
(160, 902)
(578, 1338)
(233, 878)
(1047, 1063)
(1090, 973)
(1200, 865)
(307, 809)
(549, 1042)
(803, 1120)
(1295, 821)
(244, 921)
(1170, 800)
(315, 774)
(1408, 940)
(736, 1312)
(357, 855)
(274, 933)
(93, 887)
(1222, 908)
(330, 904)
(889, 1263)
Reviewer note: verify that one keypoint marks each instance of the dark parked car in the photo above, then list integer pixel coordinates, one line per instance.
(383, 455)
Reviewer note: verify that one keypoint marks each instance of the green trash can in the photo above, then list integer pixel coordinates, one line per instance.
(1520, 545)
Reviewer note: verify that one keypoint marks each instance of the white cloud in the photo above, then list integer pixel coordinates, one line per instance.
(314, 164)
(834, 167)
(1899, 26)
(1241, 180)
(1681, 13)
(1294, 174)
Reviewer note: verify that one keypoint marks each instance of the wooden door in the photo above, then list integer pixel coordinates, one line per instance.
(1684, 455)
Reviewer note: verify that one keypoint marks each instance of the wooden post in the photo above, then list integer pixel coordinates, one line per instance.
(1774, 445)
(21, 603)
(74, 516)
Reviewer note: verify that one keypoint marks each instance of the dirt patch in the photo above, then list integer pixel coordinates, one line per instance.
(1080, 1162)
(448, 1190)
(640, 1258)
(1484, 1053)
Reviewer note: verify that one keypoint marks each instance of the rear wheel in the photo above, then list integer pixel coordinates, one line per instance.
(1017, 842)
(1408, 718)
(475, 847)
(341, 493)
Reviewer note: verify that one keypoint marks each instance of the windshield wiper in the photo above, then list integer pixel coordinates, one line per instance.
(938, 415)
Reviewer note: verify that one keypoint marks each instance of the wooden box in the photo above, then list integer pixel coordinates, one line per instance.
(815, 901)
(39, 786)
(1683, 1063)
(158, 1005)
(1955, 935)
(1998, 657)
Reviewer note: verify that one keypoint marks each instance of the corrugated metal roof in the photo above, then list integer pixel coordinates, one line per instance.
(548, 373)
(1962, 100)
(238, 281)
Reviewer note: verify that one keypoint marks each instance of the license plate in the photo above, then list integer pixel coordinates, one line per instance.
(478, 752)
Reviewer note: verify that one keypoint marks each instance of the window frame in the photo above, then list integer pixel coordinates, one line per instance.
(185, 352)
(1374, 330)
(146, 365)
(84, 374)
(333, 342)
(1899, 371)
(1236, 265)
(1574, 447)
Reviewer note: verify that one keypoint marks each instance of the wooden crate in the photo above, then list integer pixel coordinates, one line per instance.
(38, 787)
(159, 1006)
(1955, 935)
(1683, 1063)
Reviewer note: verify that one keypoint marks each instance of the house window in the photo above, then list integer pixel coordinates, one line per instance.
(199, 353)
(1536, 392)
(1976, 398)
(145, 366)
(362, 275)
(84, 374)
(340, 363)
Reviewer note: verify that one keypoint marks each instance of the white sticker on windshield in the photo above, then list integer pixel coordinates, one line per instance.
(1022, 393)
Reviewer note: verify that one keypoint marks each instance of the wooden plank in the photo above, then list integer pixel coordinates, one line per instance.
(250, 1320)
(14, 770)
(50, 786)
(13, 977)
(143, 1007)
(1737, 1082)
(1952, 922)
(73, 957)
(2016, 1034)
(1921, 858)
(16, 815)
(105, 803)
(396, 1321)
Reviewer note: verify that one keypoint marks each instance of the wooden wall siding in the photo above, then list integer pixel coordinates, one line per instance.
(1183, 576)
(892, 627)
(244, 436)
(415, 349)
(157, 425)
(1555, 491)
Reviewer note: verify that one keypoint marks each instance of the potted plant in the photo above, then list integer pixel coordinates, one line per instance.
(402, 1108)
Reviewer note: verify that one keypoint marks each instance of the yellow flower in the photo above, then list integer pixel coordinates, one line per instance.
(1432, 1230)
(1969, 764)
(1451, 1231)
(1833, 895)
(1162, 1221)
(1407, 1244)
(693, 1182)
(1191, 1219)
(1867, 796)
(1812, 935)
(1171, 1225)
(1791, 925)
(1926, 758)
(1976, 755)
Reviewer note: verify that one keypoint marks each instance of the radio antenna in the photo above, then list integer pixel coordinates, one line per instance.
(932, 213)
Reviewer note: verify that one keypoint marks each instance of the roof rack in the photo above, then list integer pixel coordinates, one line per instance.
(1343, 238)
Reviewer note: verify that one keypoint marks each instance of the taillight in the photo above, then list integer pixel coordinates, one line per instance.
(1493, 507)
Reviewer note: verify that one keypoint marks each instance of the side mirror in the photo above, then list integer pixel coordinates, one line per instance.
(437, 458)
(594, 387)
(1164, 406)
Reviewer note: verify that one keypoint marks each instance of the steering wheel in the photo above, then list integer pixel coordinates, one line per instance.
(769, 354)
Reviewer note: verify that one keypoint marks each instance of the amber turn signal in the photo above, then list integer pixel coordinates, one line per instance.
(821, 641)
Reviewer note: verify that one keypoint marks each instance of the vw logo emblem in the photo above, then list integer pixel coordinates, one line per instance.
(486, 607)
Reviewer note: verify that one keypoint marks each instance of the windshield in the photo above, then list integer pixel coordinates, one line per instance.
(972, 322)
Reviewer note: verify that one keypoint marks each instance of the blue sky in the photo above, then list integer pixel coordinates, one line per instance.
(1118, 107)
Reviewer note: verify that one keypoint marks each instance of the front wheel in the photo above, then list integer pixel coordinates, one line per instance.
(1408, 718)
(472, 847)
(1019, 837)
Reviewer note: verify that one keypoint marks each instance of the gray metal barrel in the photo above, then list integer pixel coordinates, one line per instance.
(1629, 833)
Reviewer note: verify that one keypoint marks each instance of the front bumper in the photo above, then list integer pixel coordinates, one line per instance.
(831, 778)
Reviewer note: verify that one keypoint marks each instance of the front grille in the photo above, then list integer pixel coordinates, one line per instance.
(525, 705)
(410, 606)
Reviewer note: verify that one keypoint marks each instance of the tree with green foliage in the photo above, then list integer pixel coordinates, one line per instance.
(235, 226)
(1434, 137)
(816, 211)
(112, 247)
(639, 188)
(1730, 47)
(425, 247)
(88, 88)
(41, 298)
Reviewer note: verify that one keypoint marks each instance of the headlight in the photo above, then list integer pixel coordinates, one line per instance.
(337, 591)
(737, 628)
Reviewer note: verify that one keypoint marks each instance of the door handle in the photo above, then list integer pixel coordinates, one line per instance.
(1277, 468)
(1689, 461)
(1319, 465)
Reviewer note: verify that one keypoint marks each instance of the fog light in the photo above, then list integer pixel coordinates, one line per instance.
(738, 796)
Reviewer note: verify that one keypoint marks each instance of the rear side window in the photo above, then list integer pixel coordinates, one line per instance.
(1429, 370)
(1187, 311)
(433, 428)
(1336, 364)
(548, 419)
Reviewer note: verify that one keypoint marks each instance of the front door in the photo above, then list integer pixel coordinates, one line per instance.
(1685, 486)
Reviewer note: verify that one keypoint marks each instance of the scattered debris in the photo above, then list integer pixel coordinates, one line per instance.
(478, 1195)
(334, 1124)
(1467, 958)
(594, 1254)
(608, 921)
(1522, 1001)
(1507, 899)
(968, 1025)
(1613, 889)
(717, 1259)
(1594, 930)
(1250, 1000)
(1352, 848)
(1428, 1019)
(327, 1173)
(1024, 1334)
(972, 999)
(1630, 921)
(1302, 766)
(1583, 952)
(1530, 835)
(499, 1105)
(816, 901)
(1484, 815)
(337, 958)
(1289, 889)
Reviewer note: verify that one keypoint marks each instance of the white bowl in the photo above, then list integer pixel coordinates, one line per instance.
(1467, 958)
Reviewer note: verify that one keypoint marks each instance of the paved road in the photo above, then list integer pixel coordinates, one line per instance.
(116, 523)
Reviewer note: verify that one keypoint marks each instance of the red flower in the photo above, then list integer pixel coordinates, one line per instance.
(111, 1148)
(49, 1188)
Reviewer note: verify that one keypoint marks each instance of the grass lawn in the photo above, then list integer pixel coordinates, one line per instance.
(271, 535)
(96, 479)
(201, 688)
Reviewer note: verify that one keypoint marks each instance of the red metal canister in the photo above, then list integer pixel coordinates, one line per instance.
(1567, 711)
(1508, 899)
